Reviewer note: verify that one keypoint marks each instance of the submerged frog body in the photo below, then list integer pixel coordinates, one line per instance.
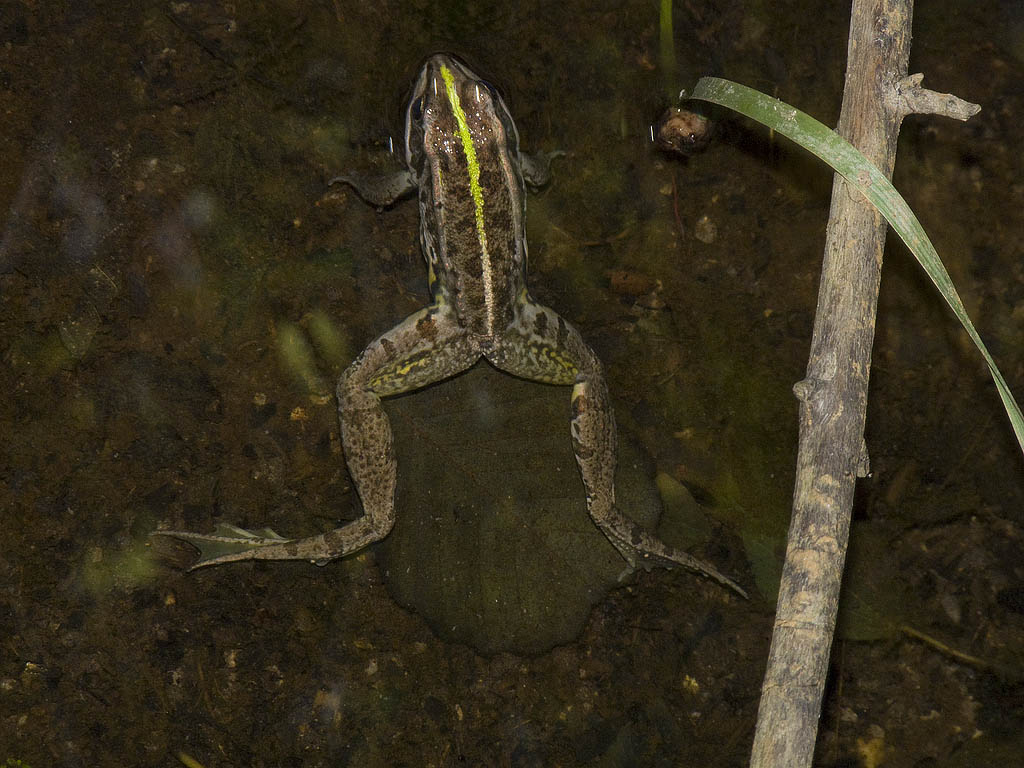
(462, 157)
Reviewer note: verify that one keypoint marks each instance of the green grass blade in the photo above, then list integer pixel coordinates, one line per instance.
(667, 47)
(862, 174)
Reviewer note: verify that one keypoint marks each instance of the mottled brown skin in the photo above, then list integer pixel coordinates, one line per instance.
(473, 239)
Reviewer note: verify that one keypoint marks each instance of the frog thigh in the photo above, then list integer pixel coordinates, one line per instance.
(542, 346)
(424, 348)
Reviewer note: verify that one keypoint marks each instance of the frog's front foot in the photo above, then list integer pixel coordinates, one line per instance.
(227, 544)
(379, 191)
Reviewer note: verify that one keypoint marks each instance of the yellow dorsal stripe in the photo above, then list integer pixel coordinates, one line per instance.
(474, 187)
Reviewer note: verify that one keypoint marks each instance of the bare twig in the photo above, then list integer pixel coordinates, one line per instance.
(833, 396)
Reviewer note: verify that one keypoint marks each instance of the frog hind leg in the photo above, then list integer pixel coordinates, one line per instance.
(544, 347)
(424, 348)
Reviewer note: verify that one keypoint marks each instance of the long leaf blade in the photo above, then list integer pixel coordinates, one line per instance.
(862, 174)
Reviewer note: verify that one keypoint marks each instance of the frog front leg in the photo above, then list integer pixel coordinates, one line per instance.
(544, 347)
(426, 347)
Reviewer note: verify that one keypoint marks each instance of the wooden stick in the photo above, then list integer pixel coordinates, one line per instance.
(833, 396)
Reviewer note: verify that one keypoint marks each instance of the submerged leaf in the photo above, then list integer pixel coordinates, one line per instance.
(492, 544)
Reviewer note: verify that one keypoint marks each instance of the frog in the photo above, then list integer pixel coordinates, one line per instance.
(462, 160)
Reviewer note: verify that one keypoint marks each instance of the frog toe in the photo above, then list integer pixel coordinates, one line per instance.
(228, 543)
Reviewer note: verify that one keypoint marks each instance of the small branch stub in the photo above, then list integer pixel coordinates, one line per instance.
(913, 99)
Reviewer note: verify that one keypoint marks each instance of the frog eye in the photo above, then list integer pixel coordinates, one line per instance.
(416, 108)
(490, 89)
